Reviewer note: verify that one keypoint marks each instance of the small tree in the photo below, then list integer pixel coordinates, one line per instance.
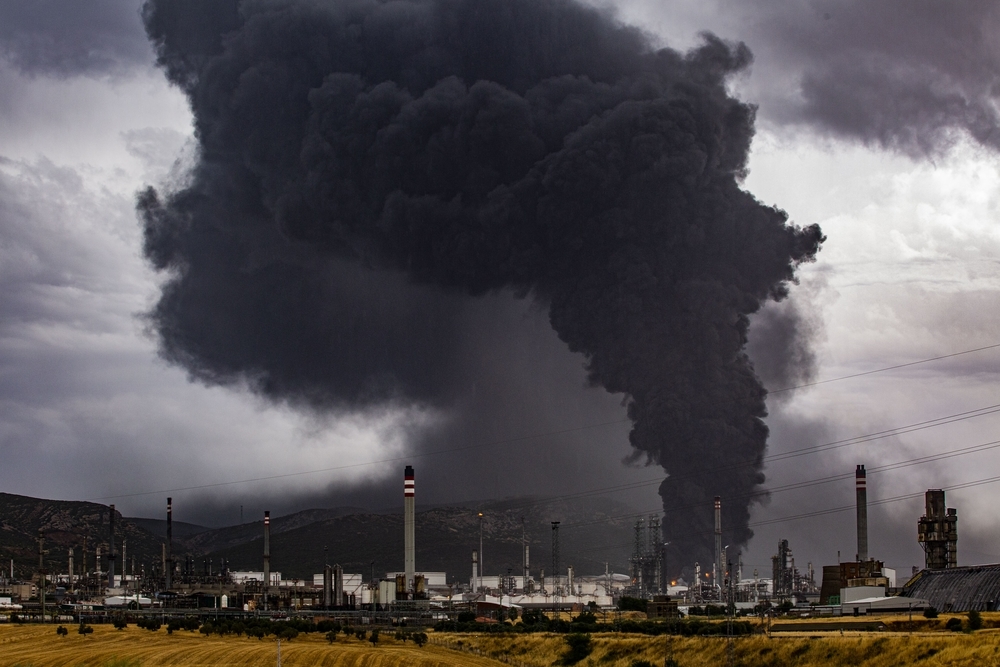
(331, 636)
(85, 629)
(579, 648)
(954, 624)
(930, 612)
(420, 638)
(512, 614)
(627, 603)
(373, 638)
(61, 631)
(975, 621)
(119, 622)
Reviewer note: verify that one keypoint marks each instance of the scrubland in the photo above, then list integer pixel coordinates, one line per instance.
(40, 646)
(830, 649)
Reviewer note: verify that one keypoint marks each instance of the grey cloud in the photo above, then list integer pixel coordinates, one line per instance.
(71, 37)
(907, 76)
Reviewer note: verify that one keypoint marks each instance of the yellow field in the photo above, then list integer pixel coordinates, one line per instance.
(39, 646)
(868, 650)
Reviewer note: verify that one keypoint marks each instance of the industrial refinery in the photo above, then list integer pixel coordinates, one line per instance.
(104, 581)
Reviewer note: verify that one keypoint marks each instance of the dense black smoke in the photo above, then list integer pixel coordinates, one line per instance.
(366, 167)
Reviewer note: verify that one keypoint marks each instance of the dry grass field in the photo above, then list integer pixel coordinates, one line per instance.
(39, 646)
(938, 649)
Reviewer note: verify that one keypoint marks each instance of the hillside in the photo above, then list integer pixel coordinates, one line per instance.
(599, 532)
(594, 531)
(66, 523)
(158, 527)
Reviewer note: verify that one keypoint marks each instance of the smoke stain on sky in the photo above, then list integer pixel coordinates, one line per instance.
(369, 171)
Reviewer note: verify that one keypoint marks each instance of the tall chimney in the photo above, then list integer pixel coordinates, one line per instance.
(555, 556)
(267, 555)
(338, 586)
(169, 564)
(861, 482)
(409, 549)
(70, 581)
(475, 571)
(720, 567)
(111, 550)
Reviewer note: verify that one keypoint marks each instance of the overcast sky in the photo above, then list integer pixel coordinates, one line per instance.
(879, 124)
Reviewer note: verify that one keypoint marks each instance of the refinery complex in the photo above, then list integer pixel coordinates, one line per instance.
(98, 584)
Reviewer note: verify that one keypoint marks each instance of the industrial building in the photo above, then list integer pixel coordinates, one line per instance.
(863, 585)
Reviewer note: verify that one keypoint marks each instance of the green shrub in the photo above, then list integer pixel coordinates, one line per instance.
(975, 621)
(632, 604)
(61, 631)
(954, 624)
(419, 638)
(579, 648)
(85, 629)
(467, 617)
(930, 612)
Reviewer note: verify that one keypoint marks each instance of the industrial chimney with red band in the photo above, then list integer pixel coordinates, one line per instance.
(861, 482)
(409, 548)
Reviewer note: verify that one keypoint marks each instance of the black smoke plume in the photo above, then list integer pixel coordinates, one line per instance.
(366, 167)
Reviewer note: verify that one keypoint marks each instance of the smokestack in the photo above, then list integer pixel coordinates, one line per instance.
(861, 482)
(169, 564)
(475, 571)
(555, 556)
(327, 586)
(719, 566)
(409, 554)
(267, 555)
(111, 550)
(70, 580)
(338, 586)
(527, 563)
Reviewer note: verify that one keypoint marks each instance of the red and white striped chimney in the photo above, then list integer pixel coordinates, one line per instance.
(409, 548)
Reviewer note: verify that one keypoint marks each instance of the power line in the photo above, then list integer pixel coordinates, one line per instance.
(831, 510)
(972, 449)
(887, 368)
(523, 438)
(836, 444)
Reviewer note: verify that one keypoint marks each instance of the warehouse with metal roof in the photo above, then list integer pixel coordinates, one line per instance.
(958, 589)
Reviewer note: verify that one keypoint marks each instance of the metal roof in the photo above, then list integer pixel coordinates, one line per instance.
(958, 589)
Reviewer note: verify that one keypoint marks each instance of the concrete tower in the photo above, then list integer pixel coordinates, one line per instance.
(112, 554)
(409, 547)
(267, 555)
(720, 567)
(861, 484)
(169, 561)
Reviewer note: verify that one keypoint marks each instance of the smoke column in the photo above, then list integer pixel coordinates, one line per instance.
(368, 168)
